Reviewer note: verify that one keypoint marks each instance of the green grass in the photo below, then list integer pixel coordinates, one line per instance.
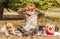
(52, 18)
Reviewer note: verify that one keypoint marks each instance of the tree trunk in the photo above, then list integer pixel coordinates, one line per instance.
(1, 10)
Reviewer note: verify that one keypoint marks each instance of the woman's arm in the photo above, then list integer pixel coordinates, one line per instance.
(40, 12)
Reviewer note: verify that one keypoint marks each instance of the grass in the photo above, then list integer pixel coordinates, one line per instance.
(33, 37)
(22, 22)
(46, 19)
(54, 9)
(52, 18)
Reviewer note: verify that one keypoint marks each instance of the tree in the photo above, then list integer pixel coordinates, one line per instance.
(3, 4)
(16, 4)
(1, 7)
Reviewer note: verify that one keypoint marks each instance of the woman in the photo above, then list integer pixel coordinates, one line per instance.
(32, 12)
(31, 21)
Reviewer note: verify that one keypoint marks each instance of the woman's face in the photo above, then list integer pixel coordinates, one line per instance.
(30, 7)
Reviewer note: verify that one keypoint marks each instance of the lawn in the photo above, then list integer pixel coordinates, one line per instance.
(55, 18)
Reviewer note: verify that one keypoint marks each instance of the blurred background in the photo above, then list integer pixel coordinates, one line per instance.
(50, 7)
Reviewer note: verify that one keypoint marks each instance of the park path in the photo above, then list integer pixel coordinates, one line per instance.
(52, 14)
